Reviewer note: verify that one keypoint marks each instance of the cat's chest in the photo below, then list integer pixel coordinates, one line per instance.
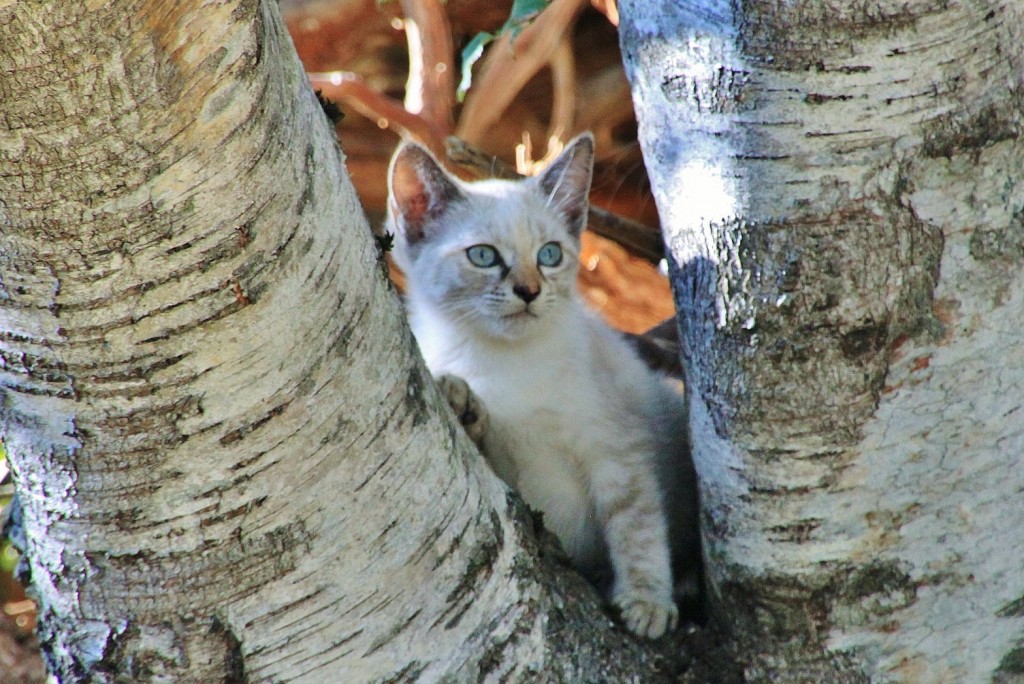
(542, 415)
(548, 417)
(546, 393)
(539, 443)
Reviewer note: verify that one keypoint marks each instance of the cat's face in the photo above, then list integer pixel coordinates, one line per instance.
(496, 258)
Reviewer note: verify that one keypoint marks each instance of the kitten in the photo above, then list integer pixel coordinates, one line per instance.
(561, 406)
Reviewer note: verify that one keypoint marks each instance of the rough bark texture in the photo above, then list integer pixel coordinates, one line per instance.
(230, 460)
(842, 190)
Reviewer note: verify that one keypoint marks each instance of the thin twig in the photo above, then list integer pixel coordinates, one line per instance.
(473, 158)
(563, 84)
(638, 238)
(430, 89)
(350, 88)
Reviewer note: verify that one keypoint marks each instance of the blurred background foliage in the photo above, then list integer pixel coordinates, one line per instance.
(393, 69)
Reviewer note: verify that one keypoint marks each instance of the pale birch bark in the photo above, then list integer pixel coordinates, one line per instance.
(842, 189)
(231, 462)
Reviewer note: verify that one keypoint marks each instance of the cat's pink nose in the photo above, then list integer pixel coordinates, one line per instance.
(526, 292)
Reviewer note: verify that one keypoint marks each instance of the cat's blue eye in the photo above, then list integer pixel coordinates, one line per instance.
(483, 256)
(550, 254)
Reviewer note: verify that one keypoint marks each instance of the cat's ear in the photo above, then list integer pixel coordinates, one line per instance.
(419, 190)
(566, 181)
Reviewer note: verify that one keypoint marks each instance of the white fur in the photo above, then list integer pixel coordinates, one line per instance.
(553, 408)
(577, 423)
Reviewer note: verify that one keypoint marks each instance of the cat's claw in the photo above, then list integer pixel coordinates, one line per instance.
(467, 406)
(647, 617)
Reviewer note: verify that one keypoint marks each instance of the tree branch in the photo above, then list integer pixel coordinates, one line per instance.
(351, 89)
(563, 84)
(430, 90)
(510, 63)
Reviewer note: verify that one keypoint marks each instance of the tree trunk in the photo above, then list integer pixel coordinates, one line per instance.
(841, 190)
(231, 462)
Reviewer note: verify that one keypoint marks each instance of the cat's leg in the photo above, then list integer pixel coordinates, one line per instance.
(467, 406)
(630, 510)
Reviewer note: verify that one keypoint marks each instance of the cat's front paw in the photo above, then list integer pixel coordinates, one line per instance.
(467, 406)
(646, 616)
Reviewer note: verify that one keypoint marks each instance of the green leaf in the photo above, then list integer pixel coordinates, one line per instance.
(523, 12)
(470, 54)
